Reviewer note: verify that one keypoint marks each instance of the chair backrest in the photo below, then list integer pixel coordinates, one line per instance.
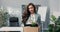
(14, 21)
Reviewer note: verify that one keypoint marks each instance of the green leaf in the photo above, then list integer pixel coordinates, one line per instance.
(53, 18)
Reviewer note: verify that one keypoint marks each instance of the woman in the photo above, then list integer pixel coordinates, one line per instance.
(31, 16)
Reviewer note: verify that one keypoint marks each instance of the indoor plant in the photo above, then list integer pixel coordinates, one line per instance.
(56, 26)
(3, 17)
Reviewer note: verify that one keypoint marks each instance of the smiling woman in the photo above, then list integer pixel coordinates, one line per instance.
(30, 16)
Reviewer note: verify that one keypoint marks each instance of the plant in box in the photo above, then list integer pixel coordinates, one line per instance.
(34, 24)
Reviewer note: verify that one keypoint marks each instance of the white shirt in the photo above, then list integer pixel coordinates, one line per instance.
(31, 19)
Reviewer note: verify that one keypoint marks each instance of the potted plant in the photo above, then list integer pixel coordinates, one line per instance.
(56, 26)
(3, 17)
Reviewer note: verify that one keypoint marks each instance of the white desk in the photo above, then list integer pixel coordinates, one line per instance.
(11, 29)
(21, 29)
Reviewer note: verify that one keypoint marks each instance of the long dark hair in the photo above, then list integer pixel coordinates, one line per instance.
(26, 13)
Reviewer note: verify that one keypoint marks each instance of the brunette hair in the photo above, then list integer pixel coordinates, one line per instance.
(26, 13)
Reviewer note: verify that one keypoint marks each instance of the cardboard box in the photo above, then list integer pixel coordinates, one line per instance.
(31, 29)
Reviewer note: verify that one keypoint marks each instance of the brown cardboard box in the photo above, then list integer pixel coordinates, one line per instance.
(31, 29)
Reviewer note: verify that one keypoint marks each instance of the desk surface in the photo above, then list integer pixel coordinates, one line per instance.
(11, 29)
(18, 28)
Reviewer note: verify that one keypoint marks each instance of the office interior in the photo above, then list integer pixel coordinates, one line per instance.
(15, 8)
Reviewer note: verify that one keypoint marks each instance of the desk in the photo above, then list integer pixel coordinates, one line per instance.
(22, 29)
(11, 29)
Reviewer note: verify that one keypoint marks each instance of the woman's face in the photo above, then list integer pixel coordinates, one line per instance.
(31, 9)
